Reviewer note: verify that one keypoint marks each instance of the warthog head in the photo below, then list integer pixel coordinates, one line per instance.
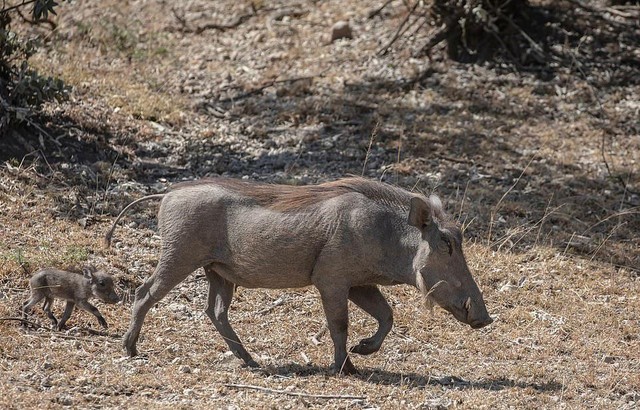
(441, 270)
(102, 285)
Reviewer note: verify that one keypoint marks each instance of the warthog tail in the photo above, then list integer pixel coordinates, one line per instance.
(107, 237)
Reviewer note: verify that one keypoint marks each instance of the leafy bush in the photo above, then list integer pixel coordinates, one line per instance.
(22, 89)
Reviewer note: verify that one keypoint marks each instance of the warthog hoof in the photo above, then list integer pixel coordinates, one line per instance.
(366, 346)
(347, 368)
(129, 346)
(252, 363)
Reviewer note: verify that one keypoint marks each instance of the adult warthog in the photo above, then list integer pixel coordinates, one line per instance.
(344, 237)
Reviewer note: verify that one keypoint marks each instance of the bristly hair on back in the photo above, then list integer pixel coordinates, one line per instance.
(289, 198)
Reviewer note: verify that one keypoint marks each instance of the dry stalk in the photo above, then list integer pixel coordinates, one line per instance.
(545, 215)
(271, 83)
(464, 195)
(426, 294)
(495, 210)
(371, 139)
(609, 235)
(566, 248)
(525, 230)
(630, 211)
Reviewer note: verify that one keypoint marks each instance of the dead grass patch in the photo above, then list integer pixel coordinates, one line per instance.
(558, 262)
(565, 335)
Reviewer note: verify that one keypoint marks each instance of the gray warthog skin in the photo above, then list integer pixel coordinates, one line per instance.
(344, 237)
(76, 289)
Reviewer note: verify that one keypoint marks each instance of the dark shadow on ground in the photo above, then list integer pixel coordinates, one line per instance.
(413, 380)
(465, 146)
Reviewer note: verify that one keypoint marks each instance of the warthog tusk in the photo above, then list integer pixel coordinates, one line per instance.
(467, 304)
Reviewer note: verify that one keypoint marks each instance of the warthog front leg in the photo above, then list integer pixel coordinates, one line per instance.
(66, 315)
(84, 305)
(220, 295)
(335, 304)
(371, 300)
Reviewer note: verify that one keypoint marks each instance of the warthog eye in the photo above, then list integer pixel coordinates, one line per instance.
(101, 283)
(446, 240)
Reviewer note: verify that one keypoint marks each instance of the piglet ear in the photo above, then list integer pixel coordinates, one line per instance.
(87, 272)
(419, 213)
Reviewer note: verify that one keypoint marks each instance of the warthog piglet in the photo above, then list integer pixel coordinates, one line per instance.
(75, 288)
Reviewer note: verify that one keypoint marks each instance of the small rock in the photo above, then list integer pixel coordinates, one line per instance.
(507, 287)
(341, 30)
(65, 400)
(185, 369)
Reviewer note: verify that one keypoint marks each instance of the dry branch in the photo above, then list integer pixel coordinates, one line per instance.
(185, 28)
(293, 393)
(378, 10)
(399, 30)
(268, 84)
(24, 321)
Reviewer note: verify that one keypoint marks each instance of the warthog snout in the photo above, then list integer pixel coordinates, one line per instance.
(470, 310)
(103, 288)
(477, 315)
(481, 324)
(111, 299)
(474, 316)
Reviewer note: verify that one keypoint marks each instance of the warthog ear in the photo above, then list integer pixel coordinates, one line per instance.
(419, 213)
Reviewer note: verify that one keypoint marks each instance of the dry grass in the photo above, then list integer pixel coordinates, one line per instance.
(566, 335)
(553, 235)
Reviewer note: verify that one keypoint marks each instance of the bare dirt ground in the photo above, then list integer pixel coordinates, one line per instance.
(539, 164)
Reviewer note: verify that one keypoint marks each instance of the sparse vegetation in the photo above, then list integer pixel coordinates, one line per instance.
(539, 162)
(22, 89)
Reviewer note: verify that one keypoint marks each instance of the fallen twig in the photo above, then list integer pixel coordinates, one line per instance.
(63, 336)
(28, 322)
(378, 10)
(293, 393)
(275, 304)
(223, 27)
(267, 85)
(185, 28)
(601, 13)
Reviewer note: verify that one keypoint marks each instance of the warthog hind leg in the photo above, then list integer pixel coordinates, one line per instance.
(26, 306)
(66, 315)
(220, 295)
(371, 300)
(165, 278)
(48, 302)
